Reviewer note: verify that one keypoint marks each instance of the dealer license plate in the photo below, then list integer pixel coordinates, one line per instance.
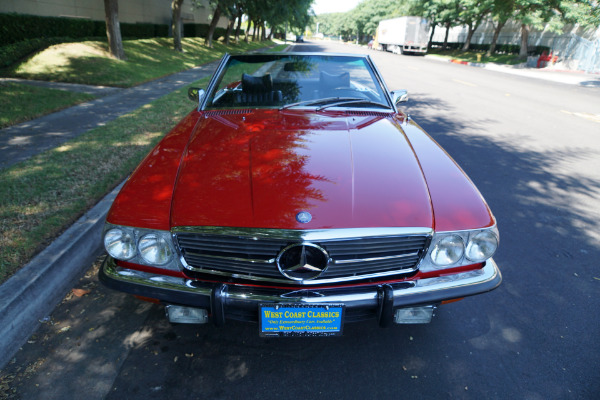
(301, 319)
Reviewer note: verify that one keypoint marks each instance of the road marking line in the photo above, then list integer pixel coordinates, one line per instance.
(588, 116)
(464, 83)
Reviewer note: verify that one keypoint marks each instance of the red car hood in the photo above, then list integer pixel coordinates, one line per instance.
(260, 170)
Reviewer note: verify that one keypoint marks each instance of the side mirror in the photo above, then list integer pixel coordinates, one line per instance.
(196, 94)
(399, 96)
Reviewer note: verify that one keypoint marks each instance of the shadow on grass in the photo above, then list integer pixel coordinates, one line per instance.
(44, 195)
(147, 59)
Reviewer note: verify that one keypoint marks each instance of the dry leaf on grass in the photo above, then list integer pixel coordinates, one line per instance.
(80, 292)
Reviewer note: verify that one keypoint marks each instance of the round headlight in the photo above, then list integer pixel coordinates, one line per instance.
(119, 244)
(482, 246)
(154, 249)
(448, 250)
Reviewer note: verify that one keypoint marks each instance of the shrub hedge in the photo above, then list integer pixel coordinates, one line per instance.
(17, 28)
(14, 52)
(201, 30)
(21, 35)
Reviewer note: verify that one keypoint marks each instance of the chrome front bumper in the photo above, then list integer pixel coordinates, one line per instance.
(232, 301)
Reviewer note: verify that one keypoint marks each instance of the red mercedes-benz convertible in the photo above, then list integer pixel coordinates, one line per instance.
(298, 196)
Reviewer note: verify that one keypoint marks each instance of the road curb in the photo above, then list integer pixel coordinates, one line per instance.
(469, 63)
(455, 61)
(35, 290)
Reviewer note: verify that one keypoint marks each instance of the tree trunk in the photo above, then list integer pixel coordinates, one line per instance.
(248, 30)
(470, 33)
(212, 26)
(524, 41)
(254, 31)
(239, 28)
(176, 24)
(113, 29)
(497, 30)
(446, 37)
(229, 29)
(431, 37)
(263, 32)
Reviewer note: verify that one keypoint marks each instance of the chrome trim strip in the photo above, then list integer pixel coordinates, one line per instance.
(344, 279)
(465, 279)
(252, 261)
(375, 258)
(382, 83)
(438, 288)
(307, 235)
(216, 75)
(147, 279)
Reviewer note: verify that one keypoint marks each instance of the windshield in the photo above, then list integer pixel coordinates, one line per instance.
(285, 81)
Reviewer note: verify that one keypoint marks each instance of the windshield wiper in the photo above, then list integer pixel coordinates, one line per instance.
(354, 101)
(319, 101)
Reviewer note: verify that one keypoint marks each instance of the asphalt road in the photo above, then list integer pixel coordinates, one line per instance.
(533, 149)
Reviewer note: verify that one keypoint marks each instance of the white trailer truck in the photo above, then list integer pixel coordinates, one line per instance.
(403, 35)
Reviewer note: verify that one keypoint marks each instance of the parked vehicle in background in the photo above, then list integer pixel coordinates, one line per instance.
(403, 35)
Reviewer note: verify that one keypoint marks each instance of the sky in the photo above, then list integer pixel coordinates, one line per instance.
(329, 6)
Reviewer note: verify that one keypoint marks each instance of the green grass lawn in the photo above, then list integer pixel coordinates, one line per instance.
(147, 59)
(25, 102)
(471, 56)
(279, 47)
(42, 196)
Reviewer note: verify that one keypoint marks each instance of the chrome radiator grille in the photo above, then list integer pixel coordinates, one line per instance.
(254, 256)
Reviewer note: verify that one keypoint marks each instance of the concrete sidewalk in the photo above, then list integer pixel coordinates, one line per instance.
(567, 77)
(19, 142)
(68, 87)
(32, 293)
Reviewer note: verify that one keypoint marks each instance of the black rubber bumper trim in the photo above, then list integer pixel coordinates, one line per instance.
(385, 309)
(217, 305)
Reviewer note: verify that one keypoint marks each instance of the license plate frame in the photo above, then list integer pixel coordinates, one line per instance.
(300, 320)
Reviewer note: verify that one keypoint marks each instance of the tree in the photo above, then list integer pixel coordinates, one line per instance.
(434, 11)
(248, 27)
(448, 14)
(113, 29)
(502, 10)
(239, 26)
(581, 12)
(176, 23)
(471, 14)
(535, 13)
(213, 25)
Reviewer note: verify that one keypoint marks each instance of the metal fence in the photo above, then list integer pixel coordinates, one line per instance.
(581, 54)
